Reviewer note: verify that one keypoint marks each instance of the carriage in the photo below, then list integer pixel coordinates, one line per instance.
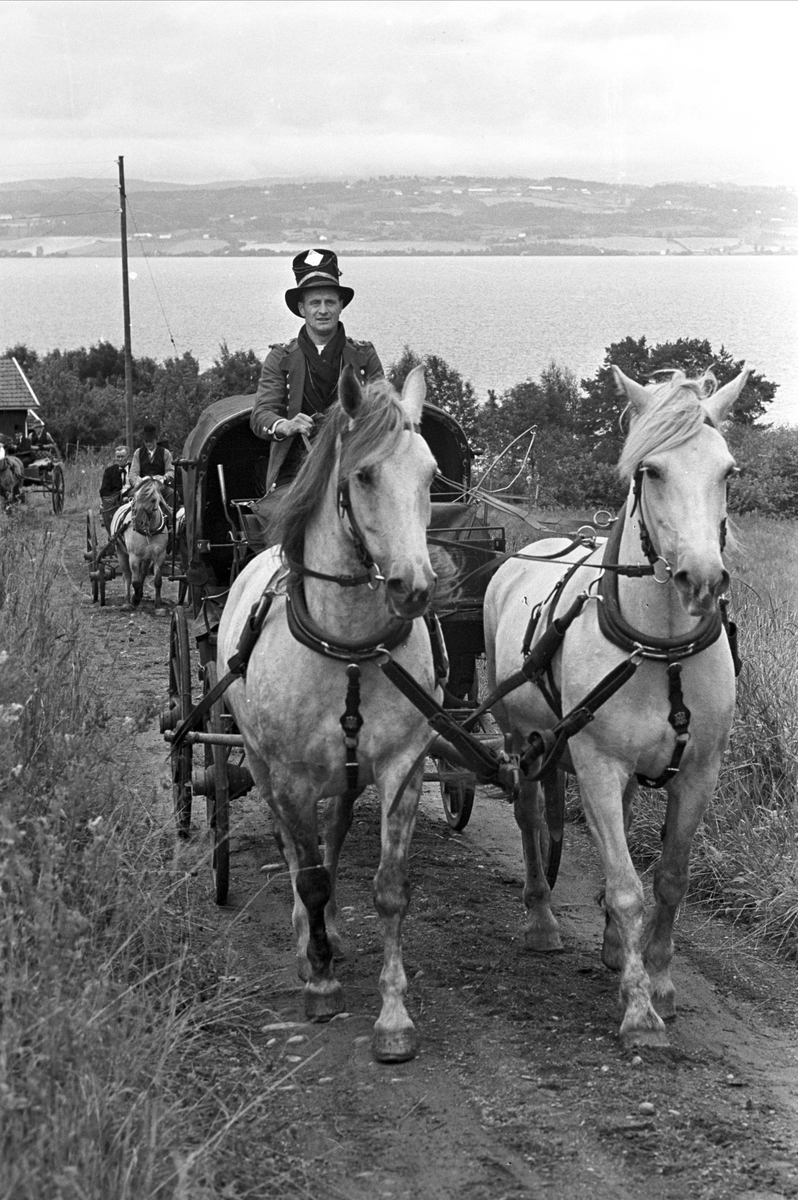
(670, 621)
(219, 470)
(43, 473)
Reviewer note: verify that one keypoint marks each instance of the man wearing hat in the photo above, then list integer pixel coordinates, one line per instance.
(299, 381)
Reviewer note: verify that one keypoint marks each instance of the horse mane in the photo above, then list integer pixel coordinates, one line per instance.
(361, 443)
(675, 414)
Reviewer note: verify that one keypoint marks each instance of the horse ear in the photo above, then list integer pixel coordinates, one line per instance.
(719, 404)
(413, 393)
(350, 392)
(638, 396)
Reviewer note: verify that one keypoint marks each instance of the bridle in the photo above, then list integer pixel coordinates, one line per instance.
(662, 573)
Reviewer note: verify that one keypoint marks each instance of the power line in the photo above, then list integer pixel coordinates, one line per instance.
(152, 277)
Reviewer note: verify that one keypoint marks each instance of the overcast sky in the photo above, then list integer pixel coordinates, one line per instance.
(194, 90)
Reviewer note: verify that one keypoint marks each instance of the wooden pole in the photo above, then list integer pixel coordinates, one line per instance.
(126, 310)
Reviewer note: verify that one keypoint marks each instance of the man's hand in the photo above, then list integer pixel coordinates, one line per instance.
(284, 428)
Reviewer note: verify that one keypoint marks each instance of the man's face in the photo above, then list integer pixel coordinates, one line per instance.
(121, 457)
(150, 441)
(321, 309)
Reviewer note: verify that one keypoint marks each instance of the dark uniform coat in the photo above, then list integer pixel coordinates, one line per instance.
(282, 387)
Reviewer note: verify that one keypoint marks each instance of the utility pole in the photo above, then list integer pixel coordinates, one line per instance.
(126, 310)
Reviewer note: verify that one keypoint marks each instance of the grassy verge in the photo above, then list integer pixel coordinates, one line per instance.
(106, 1000)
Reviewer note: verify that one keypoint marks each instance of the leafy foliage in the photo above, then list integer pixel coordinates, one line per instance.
(577, 427)
(445, 387)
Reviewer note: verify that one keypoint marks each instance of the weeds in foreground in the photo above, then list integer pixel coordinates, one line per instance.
(105, 1000)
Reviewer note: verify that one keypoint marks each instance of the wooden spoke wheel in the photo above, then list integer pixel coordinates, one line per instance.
(457, 795)
(180, 705)
(551, 839)
(96, 564)
(58, 489)
(217, 801)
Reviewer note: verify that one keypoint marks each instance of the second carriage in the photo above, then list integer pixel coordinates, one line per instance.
(220, 473)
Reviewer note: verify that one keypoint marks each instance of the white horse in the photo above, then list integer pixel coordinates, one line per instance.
(362, 497)
(12, 473)
(677, 463)
(142, 547)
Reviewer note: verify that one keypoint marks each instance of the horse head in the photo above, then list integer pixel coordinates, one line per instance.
(385, 470)
(678, 465)
(146, 511)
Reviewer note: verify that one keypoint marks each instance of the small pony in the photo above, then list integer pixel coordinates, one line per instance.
(142, 546)
(12, 473)
(669, 724)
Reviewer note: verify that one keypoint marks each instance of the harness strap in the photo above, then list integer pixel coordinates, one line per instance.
(299, 569)
(352, 723)
(309, 634)
(617, 630)
(548, 744)
(237, 664)
(679, 719)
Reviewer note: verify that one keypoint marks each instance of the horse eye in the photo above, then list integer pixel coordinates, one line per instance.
(652, 472)
(365, 476)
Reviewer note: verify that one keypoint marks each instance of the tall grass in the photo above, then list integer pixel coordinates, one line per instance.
(102, 991)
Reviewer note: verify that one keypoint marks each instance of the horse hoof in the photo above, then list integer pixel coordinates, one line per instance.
(543, 941)
(324, 1002)
(640, 1039)
(394, 1045)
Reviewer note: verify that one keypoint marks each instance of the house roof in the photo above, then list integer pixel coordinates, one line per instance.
(15, 391)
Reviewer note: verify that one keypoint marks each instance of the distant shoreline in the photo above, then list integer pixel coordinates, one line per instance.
(110, 249)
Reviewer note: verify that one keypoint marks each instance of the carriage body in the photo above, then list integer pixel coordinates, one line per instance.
(221, 471)
(220, 477)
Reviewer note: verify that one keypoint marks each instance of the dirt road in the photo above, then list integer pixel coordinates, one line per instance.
(520, 1088)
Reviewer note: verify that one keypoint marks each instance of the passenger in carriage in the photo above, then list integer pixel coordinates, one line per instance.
(23, 449)
(114, 486)
(299, 381)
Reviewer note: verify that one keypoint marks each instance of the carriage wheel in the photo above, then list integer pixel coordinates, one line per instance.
(551, 840)
(58, 490)
(92, 553)
(217, 801)
(180, 702)
(458, 799)
(101, 577)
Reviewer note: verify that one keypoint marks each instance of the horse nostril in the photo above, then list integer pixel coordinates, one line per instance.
(723, 583)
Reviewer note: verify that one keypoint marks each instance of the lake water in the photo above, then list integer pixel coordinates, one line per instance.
(497, 320)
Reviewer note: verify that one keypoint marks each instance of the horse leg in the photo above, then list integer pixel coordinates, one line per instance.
(394, 1038)
(540, 931)
(293, 802)
(688, 797)
(124, 563)
(611, 950)
(157, 577)
(602, 782)
(337, 823)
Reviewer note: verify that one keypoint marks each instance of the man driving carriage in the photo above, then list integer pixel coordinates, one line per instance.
(299, 381)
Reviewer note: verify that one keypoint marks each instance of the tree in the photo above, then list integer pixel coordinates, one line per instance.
(445, 387)
(599, 413)
(234, 373)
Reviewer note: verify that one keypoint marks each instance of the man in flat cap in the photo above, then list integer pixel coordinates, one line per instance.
(299, 381)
